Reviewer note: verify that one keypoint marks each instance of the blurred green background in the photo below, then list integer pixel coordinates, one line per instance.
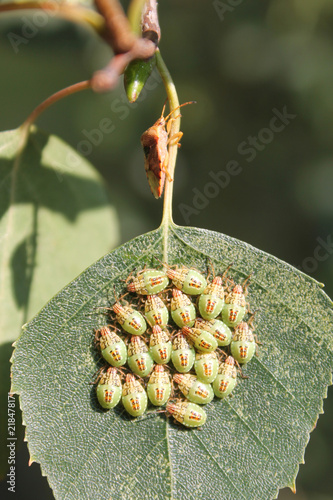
(239, 62)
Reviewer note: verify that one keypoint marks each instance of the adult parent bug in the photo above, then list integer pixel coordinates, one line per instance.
(155, 141)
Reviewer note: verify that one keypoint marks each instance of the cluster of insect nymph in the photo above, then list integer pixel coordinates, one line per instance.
(150, 359)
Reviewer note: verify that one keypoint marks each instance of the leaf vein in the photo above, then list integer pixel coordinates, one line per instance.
(219, 466)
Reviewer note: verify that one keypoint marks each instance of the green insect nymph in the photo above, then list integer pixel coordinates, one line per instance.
(243, 345)
(234, 308)
(206, 366)
(112, 347)
(193, 389)
(148, 282)
(183, 353)
(203, 340)
(182, 310)
(226, 378)
(156, 312)
(138, 357)
(188, 414)
(187, 280)
(217, 328)
(108, 390)
(160, 346)
(132, 321)
(159, 386)
(212, 299)
(134, 396)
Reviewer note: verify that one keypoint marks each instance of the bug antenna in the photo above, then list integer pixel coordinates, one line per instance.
(180, 106)
(98, 375)
(247, 280)
(114, 293)
(209, 262)
(221, 355)
(158, 260)
(227, 269)
(251, 319)
(164, 107)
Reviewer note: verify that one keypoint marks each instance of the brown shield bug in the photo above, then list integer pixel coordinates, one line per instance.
(155, 141)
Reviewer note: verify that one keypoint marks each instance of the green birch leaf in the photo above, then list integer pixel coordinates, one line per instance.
(251, 445)
(55, 219)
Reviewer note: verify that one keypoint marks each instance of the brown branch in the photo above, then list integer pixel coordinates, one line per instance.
(72, 89)
(119, 33)
(107, 78)
(123, 41)
(149, 22)
(75, 13)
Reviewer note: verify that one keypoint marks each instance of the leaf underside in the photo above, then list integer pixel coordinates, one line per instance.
(251, 445)
(53, 204)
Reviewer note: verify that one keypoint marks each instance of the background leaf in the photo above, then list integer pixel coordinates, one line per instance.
(55, 219)
(251, 445)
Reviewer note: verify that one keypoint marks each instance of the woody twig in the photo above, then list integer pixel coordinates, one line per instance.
(125, 44)
(149, 22)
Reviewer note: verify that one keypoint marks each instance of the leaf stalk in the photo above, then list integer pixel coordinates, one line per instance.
(173, 148)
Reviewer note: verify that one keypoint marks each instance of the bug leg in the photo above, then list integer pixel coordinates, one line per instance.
(221, 354)
(256, 339)
(169, 123)
(248, 310)
(130, 276)
(210, 268)
(240, 371)
(165, 167)
(96, 338)
(246, 284)
(122, 298)
(251, 319)
(98, 374)
(174, 140)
